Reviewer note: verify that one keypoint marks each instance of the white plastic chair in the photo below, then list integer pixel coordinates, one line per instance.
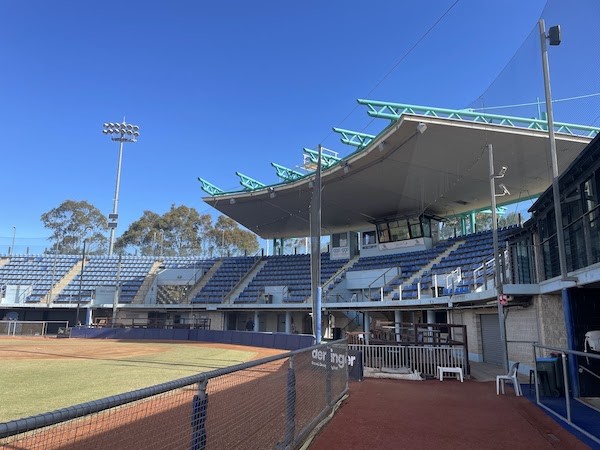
(512, 377)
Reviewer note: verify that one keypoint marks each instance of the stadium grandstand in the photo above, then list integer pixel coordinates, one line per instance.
(386, 261)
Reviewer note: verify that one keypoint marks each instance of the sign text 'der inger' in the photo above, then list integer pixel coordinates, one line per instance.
(337, 360)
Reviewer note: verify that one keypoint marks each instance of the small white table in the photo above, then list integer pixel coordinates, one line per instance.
(456, 370)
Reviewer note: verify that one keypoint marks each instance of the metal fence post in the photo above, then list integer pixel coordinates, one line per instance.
(199, 407)
(328, 364)
(566, 384)
(290, 420)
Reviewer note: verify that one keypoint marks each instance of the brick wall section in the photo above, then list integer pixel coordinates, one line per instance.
(552, 320)
(522, 330)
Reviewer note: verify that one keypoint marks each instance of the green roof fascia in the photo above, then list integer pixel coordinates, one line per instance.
(287, 174)
(393, 111)
(250, 183)
(354, 138)
(326, 160)
(210, 188)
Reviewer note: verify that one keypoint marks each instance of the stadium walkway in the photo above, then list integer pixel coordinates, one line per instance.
(394, 414)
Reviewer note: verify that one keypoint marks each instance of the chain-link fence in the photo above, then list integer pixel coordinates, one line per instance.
(274, 402)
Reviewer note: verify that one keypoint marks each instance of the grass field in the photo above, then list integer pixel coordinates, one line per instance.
(43, 374)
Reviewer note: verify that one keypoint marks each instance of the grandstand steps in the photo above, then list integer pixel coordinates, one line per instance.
(202, 282)
(341, 272)
(55, 290)
(348, 321)
(417, 275)
(140, 295)
(245, 281)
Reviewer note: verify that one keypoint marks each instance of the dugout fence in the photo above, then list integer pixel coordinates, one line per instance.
(31, 327)
(273, 402)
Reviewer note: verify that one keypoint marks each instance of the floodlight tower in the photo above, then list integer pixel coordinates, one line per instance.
(120, 132)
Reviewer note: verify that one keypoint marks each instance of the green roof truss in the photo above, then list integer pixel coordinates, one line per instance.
(393, 111)
(250, 184)
(287, 174)
(210, 188)
(326, 160)
(354, 138)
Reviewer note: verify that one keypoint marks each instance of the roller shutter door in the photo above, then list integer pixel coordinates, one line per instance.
(490, 339)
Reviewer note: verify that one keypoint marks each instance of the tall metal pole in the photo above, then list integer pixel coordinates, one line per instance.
(315, 252)
(555, 189)
(80, 283)
(116, 294)
(116, 200)
(499, 286)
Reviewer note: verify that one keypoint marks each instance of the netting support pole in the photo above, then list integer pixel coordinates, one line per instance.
(290, 420)
(199, 408)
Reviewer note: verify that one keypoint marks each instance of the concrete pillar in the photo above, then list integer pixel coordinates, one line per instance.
(288, 322)
(397, 320)
(367, 326)
(430, 316)
(256, 324)
(463, 225)
(88, 317)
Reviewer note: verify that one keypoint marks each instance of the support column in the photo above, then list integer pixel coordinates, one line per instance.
(88, 317)
(367, 326)
(430, 316)
(472, 217)
(397, 319)
(256, 324)
(570, 331)
(463, 226)
(288, 322)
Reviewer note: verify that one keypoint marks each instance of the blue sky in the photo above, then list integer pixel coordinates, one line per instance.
(216, 87)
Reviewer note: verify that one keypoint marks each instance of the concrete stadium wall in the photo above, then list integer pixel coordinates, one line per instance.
(268, 340)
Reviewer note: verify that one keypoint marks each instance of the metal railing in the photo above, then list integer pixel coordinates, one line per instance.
(396, 272)
(562, 381)
(423, 359)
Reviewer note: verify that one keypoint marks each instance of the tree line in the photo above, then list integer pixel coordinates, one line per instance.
(181, 231)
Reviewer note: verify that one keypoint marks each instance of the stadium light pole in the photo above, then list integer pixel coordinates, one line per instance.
(121, 133)
(499, 286)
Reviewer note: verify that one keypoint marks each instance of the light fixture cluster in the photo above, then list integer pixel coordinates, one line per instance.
(125, 131)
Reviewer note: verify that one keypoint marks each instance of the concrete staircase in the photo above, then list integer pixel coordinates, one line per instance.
(141, 293)
(244, 282)
(326, 291)
(202, 282)
(58, 287)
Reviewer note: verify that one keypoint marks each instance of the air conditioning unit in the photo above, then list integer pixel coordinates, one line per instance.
(592, 340)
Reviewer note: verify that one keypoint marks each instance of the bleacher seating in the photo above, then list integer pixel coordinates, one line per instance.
(102, 271)
(231, 272)
(188, 262)
(40, 272)
(475, 250)
(291, 272)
